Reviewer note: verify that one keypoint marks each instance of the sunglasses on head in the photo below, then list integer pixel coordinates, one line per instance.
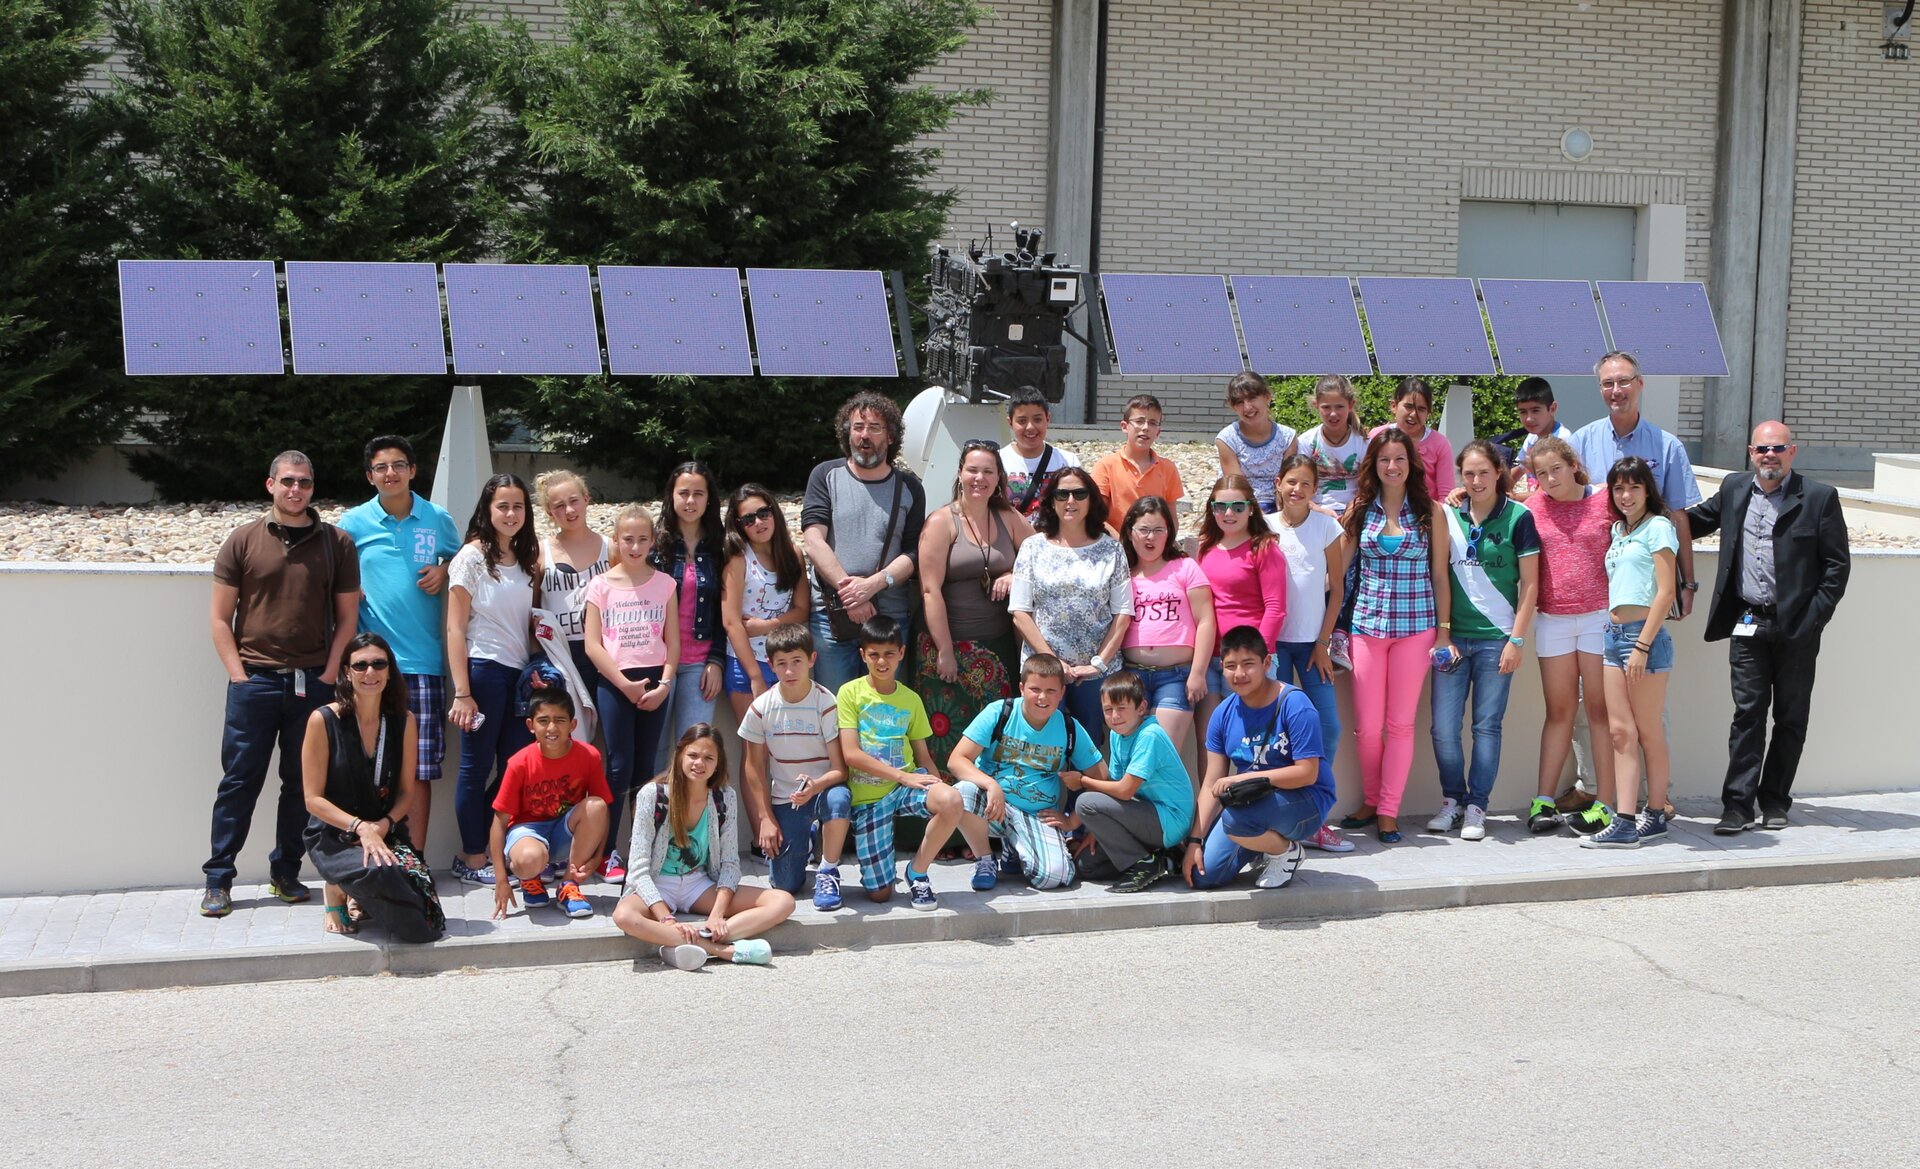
(749, 518)
(1073, 493)
(1236, 506)
(981, 444)
(363, 666)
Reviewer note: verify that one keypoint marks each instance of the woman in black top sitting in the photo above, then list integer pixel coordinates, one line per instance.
(357, 769)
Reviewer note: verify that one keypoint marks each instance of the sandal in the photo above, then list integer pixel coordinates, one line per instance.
(1356, 820)
(1390, 835)
(355, 914)
(337, 921)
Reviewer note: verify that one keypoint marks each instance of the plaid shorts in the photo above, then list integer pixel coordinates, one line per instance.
(427, 699)
(1043, 853)
(873, 832)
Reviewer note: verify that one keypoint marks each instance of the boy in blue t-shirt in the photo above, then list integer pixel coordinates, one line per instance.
(1265, 728)
(1012, 767)
(1139, 804)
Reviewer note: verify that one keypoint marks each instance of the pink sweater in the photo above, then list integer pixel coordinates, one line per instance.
(1248, 589)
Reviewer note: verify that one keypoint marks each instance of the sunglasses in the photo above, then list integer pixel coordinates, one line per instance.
(1073, 493)
(363, 667)
(749, 518)
(1773, 448)
(1222, 507)
(981, 444)
(290, 482)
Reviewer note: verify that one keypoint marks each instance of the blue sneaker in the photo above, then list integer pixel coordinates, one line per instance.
(826, 888)
(572, 903)
(1651, 824)
(1009, 861)
(471, 876)
(984, 875)
(922, 889)
(1621, 833)
(535, 892)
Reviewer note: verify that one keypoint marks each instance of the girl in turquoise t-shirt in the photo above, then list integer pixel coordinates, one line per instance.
(1641, 578)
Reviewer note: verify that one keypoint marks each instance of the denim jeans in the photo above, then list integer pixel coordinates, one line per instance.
(262, 711)
(839, 661)
(683, 708)
(789, 870)
(484, 753)
(633, 739)
(1296, 661)
(1083, 706)
(1480, 673)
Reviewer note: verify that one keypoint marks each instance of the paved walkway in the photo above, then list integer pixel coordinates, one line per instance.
(156, 938)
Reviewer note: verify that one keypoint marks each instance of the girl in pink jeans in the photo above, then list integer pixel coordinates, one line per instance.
(1400, 615)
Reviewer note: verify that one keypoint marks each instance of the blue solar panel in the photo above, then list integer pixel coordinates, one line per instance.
(1668, 327)
(1171, 324)
(1426, 326)
(183, 317)
(675, 321)
(365, 318)
(821, 323)
(1544, 326)
(1301, 324)
(522, 319)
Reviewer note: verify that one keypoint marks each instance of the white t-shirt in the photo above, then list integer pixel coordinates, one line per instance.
(1305, 548)
(1260, 464)
(796, 735)
(1339, 466)
(1020, 470)
(500, 623)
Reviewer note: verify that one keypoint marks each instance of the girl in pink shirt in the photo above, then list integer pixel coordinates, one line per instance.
(632, 636)
(1573, 521)
(1173, 633)
(1412, 406)
(1248, 572)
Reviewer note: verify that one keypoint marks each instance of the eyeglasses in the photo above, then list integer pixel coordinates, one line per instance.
(1619, 383)
(387, 468)
(1149, 533)
(1222, 506)
(1772, 448)
(1073, 493)
(363, 667)
(291, 483)
(749, 518)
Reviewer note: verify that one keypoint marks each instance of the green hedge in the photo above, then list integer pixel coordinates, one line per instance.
(1493, 411)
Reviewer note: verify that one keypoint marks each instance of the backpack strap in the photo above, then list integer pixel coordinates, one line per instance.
(1038, 477)
(660, 809)
(1000, 728)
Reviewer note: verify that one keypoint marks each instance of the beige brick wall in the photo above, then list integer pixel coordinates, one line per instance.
(1317, 136)
(1850, 335)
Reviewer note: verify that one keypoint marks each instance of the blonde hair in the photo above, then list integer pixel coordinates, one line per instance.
(680, 797)
(547, 483)
(633, 511)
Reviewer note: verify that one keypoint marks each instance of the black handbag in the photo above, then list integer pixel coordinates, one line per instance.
(1242, 792)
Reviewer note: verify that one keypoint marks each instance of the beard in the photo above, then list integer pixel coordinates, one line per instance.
(867, 457)
(1772, 474)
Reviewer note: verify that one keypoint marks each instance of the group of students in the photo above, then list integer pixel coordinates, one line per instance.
(1056, 600)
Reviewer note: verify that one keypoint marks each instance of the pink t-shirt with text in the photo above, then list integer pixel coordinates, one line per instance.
(1436, 459)
(1162, 611)
(633, 619)
(1248, 589)
(1573, 545)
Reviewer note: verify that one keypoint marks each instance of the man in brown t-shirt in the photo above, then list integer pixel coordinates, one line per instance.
(285, 603)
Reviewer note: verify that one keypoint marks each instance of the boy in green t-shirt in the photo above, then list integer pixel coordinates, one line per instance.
(882, 724)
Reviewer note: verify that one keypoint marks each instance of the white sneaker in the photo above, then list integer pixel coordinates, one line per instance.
(1445, 818)
(1475, 826)
(1280, 868)
(683, 957)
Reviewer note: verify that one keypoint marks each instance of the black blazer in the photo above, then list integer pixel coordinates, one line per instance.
(1810, 558)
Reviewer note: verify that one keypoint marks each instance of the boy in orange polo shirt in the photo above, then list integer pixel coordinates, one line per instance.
(1134, 470)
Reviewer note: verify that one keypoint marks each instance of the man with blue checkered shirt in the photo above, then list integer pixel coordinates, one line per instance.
(1624, 431)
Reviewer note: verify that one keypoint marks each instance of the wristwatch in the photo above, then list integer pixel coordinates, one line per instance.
(1196, 840)
(1519, 641)
(1097, 662)
(1692, 586)
(888, 577)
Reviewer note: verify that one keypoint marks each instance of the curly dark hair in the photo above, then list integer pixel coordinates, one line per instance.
(871, 401)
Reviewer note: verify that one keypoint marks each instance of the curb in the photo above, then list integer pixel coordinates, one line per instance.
(970, 920)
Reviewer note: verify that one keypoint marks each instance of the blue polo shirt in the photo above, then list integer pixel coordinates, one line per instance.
(1599, 449)
(392, 553)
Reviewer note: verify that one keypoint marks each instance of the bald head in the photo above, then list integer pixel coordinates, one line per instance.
(1772, 450)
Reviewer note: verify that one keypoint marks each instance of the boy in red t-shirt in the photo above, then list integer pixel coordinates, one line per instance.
(553, 802)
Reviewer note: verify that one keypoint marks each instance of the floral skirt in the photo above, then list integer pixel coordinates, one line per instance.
(987, 671)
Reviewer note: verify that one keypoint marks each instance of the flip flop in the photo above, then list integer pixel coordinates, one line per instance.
(336, 921)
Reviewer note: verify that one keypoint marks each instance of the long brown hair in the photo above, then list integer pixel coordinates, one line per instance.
(1367, 485)
(1491, 454)
(786, 565)
(1143, 507)
(524, 545)
(1257, 530)
(680, 787)
(1001, 499)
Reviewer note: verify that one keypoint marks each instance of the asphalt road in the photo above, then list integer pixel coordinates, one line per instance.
(1769, 1027)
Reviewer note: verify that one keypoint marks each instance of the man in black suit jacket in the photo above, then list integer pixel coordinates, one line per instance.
(1783, 569)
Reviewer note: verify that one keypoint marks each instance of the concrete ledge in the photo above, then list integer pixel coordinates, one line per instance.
(964, 917)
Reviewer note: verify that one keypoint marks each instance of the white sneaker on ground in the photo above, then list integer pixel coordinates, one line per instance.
(1474, 827)
(1445, 818)
(685, 956)
(1280, 868)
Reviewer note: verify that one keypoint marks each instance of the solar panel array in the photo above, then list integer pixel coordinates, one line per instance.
(222, 317)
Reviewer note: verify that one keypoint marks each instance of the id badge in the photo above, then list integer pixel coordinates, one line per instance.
(299, 683)
(1746, 627)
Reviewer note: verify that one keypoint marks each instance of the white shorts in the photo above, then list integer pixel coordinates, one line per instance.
(1558, 635)
(681, 890)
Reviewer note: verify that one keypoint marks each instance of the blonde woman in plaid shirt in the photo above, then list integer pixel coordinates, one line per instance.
(1400, 617)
